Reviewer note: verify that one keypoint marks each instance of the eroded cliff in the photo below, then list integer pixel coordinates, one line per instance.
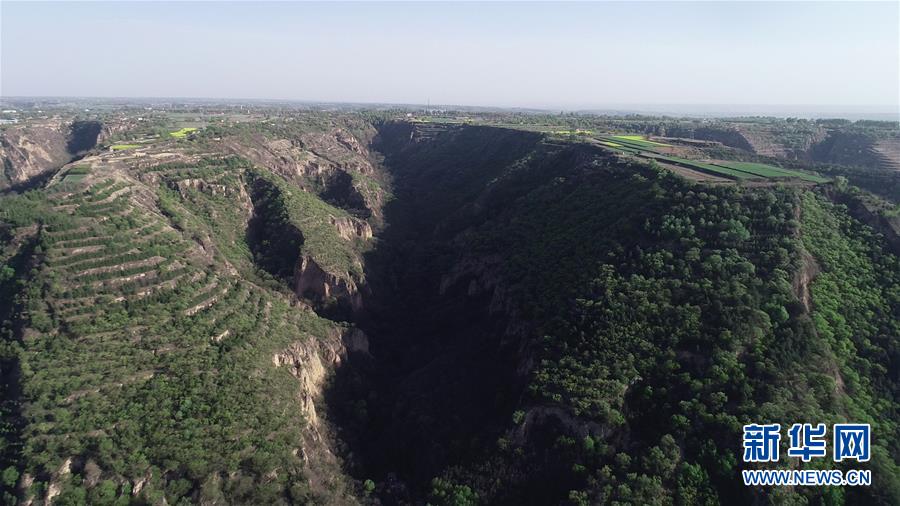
(31, 151)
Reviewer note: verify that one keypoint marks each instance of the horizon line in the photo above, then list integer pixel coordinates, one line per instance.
(703, 109)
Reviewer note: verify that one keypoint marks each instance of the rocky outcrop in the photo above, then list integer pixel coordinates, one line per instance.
(341, 148)
(804, 276)
(283, 156)
(24, 489)
(320, 163)
(140, 483)
(211, 188)
(313, 282)
(348, 140)
(355, 340)
(310, 361)
(109, 131)
(352, 228)
(538, 416)
(55, 486)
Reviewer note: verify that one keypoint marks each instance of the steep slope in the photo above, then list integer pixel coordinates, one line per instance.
(318, 309)
(327, 159)
(28, 152)
(728, 136)
(869, 144)
(855, 149)
(550, 325)
(157, 357)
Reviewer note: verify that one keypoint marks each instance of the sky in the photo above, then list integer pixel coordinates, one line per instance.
(562, 55)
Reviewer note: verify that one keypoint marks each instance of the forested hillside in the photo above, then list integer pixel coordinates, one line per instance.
(344, 308)
(154, 351)
(622, 325)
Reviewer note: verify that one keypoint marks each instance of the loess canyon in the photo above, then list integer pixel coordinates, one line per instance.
(349, 308)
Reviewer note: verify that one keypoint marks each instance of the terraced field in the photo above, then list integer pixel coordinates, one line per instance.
(158, 307)
(142, 314)
(769, 171)
(707, 167)
(637, 140)
(76, 173)
(888, 153)
(639, 146)
(123, 147)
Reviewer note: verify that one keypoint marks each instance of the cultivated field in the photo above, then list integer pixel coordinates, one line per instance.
(670, 156)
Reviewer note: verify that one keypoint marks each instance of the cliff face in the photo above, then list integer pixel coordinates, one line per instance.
(31, 151)
(313, 361)
(333, 216)
(799, 142)
(84, 135)
(109, 129)
(727, 136)
(443, 329)
(310, 361)
(352, 228)
(857, 149)
(313, 282)
(334, 164)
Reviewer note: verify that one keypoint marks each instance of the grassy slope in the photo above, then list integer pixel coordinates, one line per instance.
(321, 240)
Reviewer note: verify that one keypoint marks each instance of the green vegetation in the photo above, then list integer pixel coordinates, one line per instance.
(144, 362)
(76, 174)
(637, 145)
(79, 170)
(626, 354)
(312, 218)
(622, 338)
(181, 133)
(633, 143)
(709, 168)
(551, 322)
(856, 303)
(769, 171)
(660, 317)
(638, 140)
(275, 241)
(122, 147)
(73, 178)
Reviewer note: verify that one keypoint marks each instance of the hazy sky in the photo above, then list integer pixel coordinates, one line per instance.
(504, 54)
